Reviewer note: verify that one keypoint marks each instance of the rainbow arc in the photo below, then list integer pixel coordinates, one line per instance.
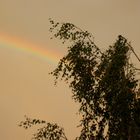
(24, 46)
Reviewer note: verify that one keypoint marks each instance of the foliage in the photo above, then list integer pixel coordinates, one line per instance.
(49, 131)
(102, 82)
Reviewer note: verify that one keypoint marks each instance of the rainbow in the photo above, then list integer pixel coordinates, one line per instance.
(22, 45)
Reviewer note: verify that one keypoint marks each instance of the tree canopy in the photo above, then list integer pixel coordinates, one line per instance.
(104, 83)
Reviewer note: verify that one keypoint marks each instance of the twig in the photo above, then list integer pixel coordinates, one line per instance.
(134, 52)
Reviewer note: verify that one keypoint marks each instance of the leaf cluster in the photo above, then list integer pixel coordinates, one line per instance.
(48, 131)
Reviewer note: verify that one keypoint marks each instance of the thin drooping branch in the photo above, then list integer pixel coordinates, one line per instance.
(92, 42)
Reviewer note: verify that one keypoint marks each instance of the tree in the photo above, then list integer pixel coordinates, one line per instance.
(104, 84)
(49, 131)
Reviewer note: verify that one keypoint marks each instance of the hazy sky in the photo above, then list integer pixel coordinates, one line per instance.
(26, 88)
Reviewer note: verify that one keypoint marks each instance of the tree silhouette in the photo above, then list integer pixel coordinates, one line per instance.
(49, 131)
(104, 84)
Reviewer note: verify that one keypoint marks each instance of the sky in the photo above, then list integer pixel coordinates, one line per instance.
(27, 55)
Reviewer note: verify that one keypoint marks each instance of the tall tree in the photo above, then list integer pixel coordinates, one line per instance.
(102, 82)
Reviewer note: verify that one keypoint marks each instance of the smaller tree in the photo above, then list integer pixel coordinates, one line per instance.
(49, 131)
